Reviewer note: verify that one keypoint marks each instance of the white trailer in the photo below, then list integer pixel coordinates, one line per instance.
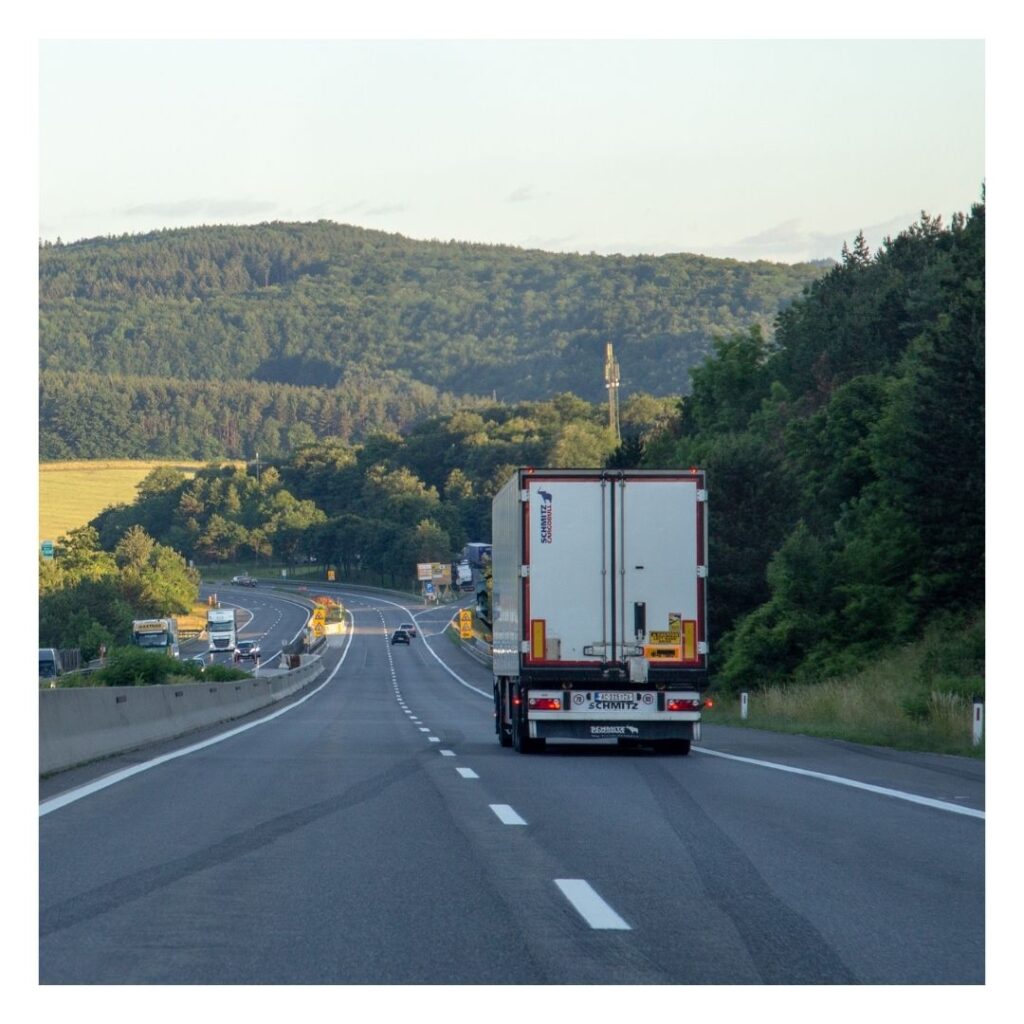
(464, 575)
(599, 606)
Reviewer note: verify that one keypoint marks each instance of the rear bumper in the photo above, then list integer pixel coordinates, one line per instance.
(649, 727)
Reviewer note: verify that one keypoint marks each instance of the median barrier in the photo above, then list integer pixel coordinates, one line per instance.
(87, 723)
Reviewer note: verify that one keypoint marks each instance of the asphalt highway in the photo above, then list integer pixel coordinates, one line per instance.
(376, 832)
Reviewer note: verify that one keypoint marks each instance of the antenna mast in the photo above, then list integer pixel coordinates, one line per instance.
(611, 382)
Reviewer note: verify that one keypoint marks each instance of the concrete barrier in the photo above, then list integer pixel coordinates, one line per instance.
(84, 724)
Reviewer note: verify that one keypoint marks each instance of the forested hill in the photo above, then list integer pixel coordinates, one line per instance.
(845, 459)
(324, 304)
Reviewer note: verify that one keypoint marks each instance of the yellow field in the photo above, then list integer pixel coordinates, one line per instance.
(72, 493)
(196, 619)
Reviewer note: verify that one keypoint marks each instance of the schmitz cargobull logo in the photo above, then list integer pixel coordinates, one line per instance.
(546, 518)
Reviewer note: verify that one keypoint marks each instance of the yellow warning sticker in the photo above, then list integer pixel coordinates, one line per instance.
(654, 652)
(664, 638)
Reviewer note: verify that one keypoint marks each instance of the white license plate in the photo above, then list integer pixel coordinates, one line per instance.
(605, 696)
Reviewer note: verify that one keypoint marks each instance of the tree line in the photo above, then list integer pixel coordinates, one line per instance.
(89, 595)
(106, 416)
(845, 460)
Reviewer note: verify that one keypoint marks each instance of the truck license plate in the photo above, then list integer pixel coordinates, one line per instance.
(607, 697)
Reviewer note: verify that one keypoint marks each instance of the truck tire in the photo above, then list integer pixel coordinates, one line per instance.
(504, 731)
(680, 747)
(521, 735)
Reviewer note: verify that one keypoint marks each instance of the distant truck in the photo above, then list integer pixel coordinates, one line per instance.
(159, 635)
(463, 575)
(476, 553)
(600, 607)
(222, 629)
(50, 665)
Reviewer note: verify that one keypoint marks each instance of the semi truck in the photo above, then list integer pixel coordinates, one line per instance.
(221, 629)
(599, 607)
(475, 553)
(159, 635)
(463, 575)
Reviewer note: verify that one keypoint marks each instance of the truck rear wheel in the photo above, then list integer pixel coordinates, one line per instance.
(680, 747)
(521, 734)
(503, 730)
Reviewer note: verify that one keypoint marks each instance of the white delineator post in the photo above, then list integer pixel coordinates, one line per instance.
(979, 722)
(744, 702)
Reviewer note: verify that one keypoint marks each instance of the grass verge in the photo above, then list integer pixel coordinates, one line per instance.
(918, 697)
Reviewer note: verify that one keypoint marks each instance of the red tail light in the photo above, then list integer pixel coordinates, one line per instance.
(682, 704)
(545, 704)
(709, 703)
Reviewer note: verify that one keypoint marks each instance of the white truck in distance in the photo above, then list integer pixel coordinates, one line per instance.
(221, 628)
(599, 607)
(464, 575)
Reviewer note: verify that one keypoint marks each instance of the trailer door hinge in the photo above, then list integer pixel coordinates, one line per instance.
(702, 571)
(702, 647)
(524, 494)
(702, 494)
(524, 646)
(524, 571)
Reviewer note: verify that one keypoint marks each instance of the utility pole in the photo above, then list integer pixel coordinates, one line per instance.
(257, 470)
(611, 382)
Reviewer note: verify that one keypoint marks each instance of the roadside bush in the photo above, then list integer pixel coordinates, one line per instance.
(954, 658)
(132, 666)
(223, 673)
(188, 669)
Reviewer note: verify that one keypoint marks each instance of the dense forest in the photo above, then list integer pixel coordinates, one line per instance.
(846, 460)
(342, 311)
(844, 451)
(98, 416)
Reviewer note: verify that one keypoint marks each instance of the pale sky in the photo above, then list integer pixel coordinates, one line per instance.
(756, 149)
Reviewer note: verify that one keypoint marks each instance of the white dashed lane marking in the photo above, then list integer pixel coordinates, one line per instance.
(589, 905)
(506, 815)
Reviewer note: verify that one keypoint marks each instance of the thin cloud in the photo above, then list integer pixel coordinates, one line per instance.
(789, 241)
(523, 194)
(200, 208)
(380, 211)
(550, 242)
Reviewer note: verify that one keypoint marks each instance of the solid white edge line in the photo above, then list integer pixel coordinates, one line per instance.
(839, 780)
(73, 795)
(594, 910)
(897, 794)
(506, 815)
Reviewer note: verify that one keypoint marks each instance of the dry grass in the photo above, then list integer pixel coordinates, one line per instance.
(869, 707)
(196, 619)
(73, 493)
